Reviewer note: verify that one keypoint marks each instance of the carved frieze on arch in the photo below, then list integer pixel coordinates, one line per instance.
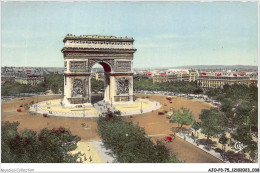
(123, 66)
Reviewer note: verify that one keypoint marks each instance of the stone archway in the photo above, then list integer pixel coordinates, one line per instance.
(113, 53)
(107, 70)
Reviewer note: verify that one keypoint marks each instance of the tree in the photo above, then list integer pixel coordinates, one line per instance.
(54, 82)
(96, 84)
(196, 126)
(244, 108)
(253, 119)
(180, 86)
(50, 146)
(8, 132)
(242, 116)
(183, 117)
(226, 105)
(211, 122)
(253, 93)
(243, 135)
(223, 140)
(14, 88)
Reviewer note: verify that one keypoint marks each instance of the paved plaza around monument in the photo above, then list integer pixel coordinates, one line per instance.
(54, 108)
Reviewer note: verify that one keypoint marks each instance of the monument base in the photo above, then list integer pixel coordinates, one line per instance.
(67, 104)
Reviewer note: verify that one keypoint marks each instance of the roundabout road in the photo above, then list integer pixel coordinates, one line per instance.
(152, 123)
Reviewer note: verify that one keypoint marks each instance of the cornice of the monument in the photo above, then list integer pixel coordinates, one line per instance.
(97, 37)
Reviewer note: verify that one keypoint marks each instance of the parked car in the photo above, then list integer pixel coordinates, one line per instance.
(160, 113)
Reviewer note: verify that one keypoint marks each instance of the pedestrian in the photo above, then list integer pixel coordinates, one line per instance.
(85, 158)
(88, 148)
(90, 159)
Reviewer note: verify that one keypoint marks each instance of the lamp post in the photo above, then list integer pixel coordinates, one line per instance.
(83, 110)
(224, 152)
(36, 103)
(141, 107)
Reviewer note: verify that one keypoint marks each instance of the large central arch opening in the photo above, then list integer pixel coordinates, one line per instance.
(99, 82)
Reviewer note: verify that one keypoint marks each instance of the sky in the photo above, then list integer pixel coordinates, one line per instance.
(166, 34)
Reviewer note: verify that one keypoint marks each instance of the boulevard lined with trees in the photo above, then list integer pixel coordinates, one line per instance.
(237, 113)
(129, 143)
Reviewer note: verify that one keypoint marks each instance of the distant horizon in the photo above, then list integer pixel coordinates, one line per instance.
(177, 33)
(134, 66)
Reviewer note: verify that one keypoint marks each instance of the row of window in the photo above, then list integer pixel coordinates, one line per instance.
(218, 83)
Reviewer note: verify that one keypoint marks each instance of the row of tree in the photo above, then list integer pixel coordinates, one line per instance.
(214, 123)
(178, 86)
(49, 146)
(14, 88)
(235, 92)
(237, 114)
(129, 143)
(52, 81)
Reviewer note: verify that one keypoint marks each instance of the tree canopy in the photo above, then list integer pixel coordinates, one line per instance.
(212, 122)
(129, 144)
(178, 86)
(49, 146)
(14, 88)
(183, 117)
(97, 84)
(54, 82)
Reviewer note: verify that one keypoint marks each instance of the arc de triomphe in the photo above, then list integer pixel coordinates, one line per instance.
(115, 54)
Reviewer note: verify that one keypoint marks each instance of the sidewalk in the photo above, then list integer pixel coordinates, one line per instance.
(156, 105)
(105, 154)
(187, 138)
(93, 152)
(37, 109)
